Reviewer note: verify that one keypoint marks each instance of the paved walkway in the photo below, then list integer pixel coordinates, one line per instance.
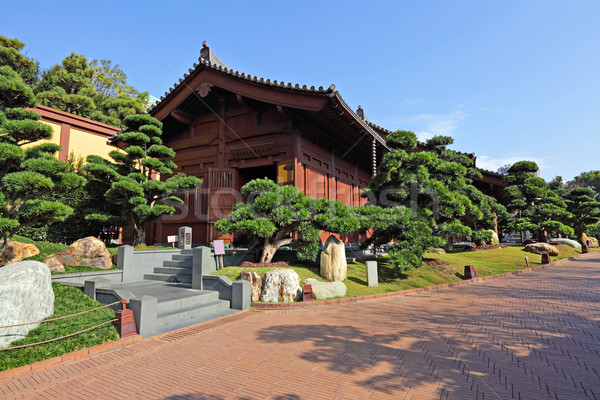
(529, 336)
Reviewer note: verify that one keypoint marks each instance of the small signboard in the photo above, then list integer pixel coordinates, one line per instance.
(173, 239)
(219, 247)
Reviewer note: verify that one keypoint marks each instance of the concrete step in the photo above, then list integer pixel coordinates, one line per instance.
(178, 263)
(182, 301)
(187, 252)
(183, 257)
(184, 323)
(169, 278)
(190, 313)
(173, 270)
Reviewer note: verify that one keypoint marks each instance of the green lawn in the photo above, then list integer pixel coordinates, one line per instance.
(68, 300)
(486, 262)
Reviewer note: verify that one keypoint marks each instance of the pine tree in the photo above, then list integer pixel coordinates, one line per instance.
(27, 175)
(134, 193)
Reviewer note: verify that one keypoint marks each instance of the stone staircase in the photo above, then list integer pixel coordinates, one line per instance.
(182, 311)
(177, 270)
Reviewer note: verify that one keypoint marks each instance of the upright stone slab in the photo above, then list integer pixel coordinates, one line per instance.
(372, 277)
(144, 310)
(241, 293)
(200, 265)
(185, 238)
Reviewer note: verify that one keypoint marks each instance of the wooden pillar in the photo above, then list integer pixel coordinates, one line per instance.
(222, 132)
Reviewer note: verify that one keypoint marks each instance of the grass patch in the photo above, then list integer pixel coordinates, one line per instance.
(486, 262)
(72, 269)
(68, 300)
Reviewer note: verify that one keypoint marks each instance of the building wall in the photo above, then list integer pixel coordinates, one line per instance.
(76, 134)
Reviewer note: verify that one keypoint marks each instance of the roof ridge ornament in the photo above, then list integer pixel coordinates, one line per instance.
(207, 55)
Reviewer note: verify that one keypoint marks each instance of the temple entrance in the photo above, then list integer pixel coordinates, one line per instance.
(265, 171)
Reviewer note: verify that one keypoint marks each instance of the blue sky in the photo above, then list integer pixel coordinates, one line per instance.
(508, 80)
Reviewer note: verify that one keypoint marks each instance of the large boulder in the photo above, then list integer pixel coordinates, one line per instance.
(333, 260)
(87, 251)
(327, 290)
(495, 240)
(538, 248)
(593, 241)
(26, 295)
(281, 285)
(569, 242)
(255, 283)
(17, 251)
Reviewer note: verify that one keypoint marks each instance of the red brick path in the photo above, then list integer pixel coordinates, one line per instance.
(529, 336)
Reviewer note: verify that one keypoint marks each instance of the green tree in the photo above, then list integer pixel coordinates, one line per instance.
(27, 175)
(275, 213)
(69, 86)
(134, 196)
(11, 56)
(436, 186)
(534, 207)
(116, 98)
(590, 180)
(584, 209)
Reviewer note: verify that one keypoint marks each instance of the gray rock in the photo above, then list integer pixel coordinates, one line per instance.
(26, 295)
(538, 248)
(327, 290)
(281, 285)
(573, 243)
(333, 260)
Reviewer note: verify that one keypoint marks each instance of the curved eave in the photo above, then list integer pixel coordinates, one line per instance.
(338, 102)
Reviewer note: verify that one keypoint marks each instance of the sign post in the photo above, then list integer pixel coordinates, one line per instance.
(219, 252)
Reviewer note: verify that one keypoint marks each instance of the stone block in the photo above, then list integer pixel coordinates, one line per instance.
(241, 295)
(185, 238)
(470, 272)
(372, 276)
(144, 311)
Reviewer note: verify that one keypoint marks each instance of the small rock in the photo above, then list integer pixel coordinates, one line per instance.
(281, 285)
(87, 251)
(327, 290)
(26, 295)
(538, 248)
(255, 283)
(17, 251)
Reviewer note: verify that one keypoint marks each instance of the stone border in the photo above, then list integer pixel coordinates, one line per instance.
(72, 356)
(373, 297)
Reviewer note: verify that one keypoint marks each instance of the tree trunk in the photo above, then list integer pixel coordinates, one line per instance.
(269, 248)
(139, 236)
(543, 236)
(268, 253)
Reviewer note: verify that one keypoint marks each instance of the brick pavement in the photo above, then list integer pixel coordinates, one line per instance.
(530, 336)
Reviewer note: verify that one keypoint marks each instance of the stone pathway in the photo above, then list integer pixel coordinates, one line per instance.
(530, 336)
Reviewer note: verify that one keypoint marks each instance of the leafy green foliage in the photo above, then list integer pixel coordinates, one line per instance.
(584, 209)
(590, 180)
(275, 213)
(533, 205)
(28, 179)
(69, 86)
(11, 56)
(420, 199)
(132, 195)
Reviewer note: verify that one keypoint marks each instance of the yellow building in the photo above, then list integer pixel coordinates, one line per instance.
(78, 135)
